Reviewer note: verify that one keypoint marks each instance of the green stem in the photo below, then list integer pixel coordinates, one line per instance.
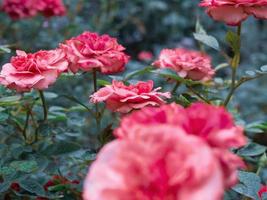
(175, 87)
(97, 114)
(234, 65)
(44, 105)
(198, 95)
(24, 132)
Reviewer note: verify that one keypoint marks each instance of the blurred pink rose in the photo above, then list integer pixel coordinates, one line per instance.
(53, 8)
(186, 63)
(18, 9)
(90, 50)
(212, 124)
(161, 163)
(233, 12)
(123, 99)
(145, 56)
(262, 191)
(34, 70)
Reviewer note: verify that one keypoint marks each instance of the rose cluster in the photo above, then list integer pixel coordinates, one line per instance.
(19, 9)
(168, 153)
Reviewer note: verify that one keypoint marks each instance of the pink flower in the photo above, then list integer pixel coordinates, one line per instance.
(262, 191)
(189, 64)
(145, 56)
(123, 99)
(161, 163)
(212, 124)
(18, 9)
(90, 50)
(233, 12)
(53, 8)
(33, 71)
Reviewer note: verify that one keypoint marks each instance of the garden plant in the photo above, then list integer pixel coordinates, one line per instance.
(98, 100)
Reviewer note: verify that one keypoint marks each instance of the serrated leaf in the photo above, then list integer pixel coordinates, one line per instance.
(61, 147)
(252, 149)
(138, 72)
(24, 166)
(32, 186)
(249, 184)
(207, 40)
(7, 171)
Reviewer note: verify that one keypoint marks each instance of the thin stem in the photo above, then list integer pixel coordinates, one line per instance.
(24, 132)
(175, 87)
(234, 65)
(44, 104)
(97, 114)
(198, 95)
(232, 90)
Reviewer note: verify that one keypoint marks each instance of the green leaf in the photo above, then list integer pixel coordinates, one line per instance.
(102, 82)
(3, 117)
(10, 101)
(168, 73)
(61, 147)
(233, 40)
(249, 184)
(50, 95)
(200, 29)
(207, 40)
(264, 68)
(138, 72)
(4, 186)
(32, 186)
(5, 49)
(252, 149)
(24, 166)
(7, 171)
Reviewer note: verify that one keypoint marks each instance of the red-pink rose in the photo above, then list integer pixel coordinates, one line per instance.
(53, 8)
(262, 191)
(212, 124)
(90, 51)
(18, 9)
(233, 12)
(186, 63)
(33, 71)
(161, 163)
(121, 98)
(145, 56)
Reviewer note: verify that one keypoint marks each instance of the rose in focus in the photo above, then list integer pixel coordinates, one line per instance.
(33, 70)
(90, 51)
(122, 98)
(186, 63)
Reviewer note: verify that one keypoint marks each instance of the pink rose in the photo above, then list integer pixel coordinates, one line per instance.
(18, 9)
(262, 191)
(161, 163)
(123, 99)
(233, 12)
(34, 70)
(145, 56)
(212, 124)
(90, 50)
(189, 64)
(53, 8)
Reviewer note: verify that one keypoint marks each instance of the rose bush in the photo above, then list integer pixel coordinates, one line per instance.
(131, 140)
